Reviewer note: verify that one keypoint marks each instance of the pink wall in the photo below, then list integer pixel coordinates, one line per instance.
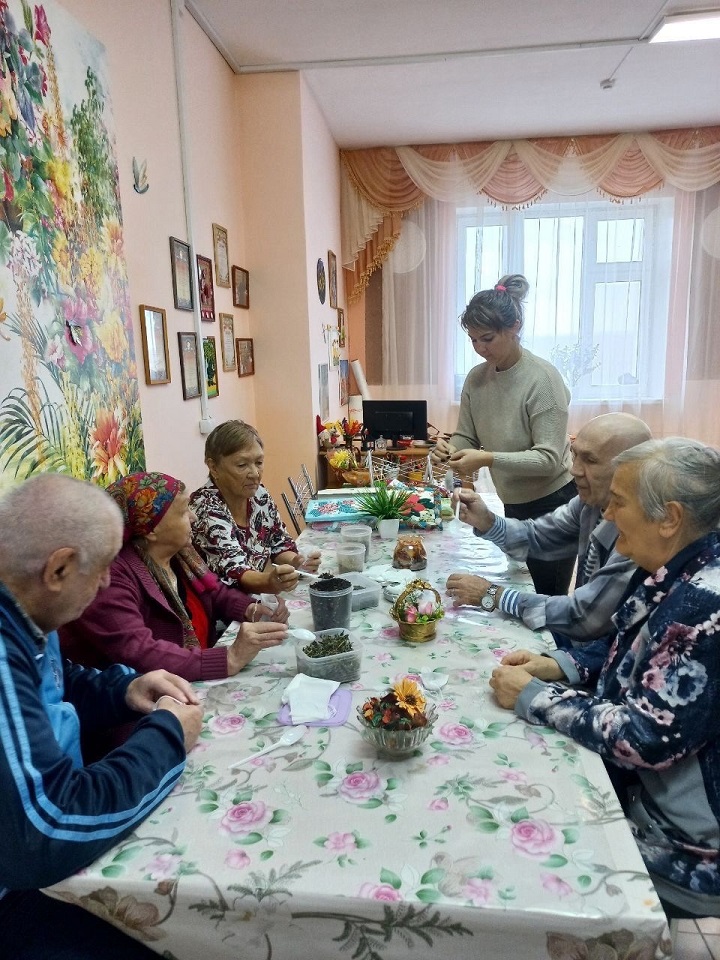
(263, 164)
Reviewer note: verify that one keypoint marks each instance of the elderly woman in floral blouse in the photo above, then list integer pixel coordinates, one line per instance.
(654, 713)
(238, 529)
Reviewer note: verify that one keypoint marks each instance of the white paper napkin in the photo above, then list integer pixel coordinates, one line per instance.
(309, 698)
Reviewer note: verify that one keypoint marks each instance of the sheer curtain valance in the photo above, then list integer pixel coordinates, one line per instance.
(379, 185)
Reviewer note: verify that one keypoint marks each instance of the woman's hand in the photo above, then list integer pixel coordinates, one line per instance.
(466, 589)
(251, 639)
(508, 683)
(466, 462)
(280, 577)
(308, 562)
(544, 668)
(276, 614)
(442, 451)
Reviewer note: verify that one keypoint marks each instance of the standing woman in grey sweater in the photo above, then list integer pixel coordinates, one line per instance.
(513, 419)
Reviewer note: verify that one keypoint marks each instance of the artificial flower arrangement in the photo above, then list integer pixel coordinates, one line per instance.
(398, 721)
(343, 459)
(402, 707)
(350, 428)
(417, 610)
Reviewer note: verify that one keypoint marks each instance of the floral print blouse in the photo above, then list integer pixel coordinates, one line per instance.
(230, 550)
(655, 712)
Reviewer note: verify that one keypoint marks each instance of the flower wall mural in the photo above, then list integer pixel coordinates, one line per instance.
(68, 381)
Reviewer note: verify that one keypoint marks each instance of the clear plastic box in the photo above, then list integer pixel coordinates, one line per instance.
(366, 592)
(342, 667)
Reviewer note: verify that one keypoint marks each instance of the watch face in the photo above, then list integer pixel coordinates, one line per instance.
(487, 602)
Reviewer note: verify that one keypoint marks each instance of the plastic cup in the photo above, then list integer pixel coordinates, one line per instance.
(330, 603)
(268, 600)
(358, 533)
(350, 557)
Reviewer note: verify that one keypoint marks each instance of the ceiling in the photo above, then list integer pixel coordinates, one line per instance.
(391, 72)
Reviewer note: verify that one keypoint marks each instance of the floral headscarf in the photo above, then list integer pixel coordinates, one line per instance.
(144, 499)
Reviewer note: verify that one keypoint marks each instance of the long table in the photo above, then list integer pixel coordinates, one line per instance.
(497, 839)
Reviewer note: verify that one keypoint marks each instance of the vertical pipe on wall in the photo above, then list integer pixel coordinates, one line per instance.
(176, 9)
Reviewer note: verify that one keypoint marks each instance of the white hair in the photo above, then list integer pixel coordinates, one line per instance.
(50, 511)
(685, 471)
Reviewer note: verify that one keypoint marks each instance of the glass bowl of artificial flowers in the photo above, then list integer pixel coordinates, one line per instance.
(398, 721)
(417, 611)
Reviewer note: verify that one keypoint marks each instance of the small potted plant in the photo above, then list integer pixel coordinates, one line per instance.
(387, 506)
(417, 611)
(398, 721)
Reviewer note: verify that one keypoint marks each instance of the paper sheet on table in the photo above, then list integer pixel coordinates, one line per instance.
(309, 698)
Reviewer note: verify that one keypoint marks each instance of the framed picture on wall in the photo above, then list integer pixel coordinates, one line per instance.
(343, 380)
(341, 328)
(323, 394)
(241, 288)
(155, 346)
(189, 367)
(332, 279)
(180, 265)
(211, 367)
(245, 357)
(222, 260)
(205, 286)
(227, 341)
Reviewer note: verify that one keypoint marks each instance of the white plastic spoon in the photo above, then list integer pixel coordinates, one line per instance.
(303, 636)
(433, 682)
(292, 735)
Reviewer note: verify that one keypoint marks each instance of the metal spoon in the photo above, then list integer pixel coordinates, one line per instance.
(291, 735)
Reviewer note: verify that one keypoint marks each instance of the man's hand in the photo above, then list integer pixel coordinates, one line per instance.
(442, 451)
(144, 691)
(466, 589)
(251, 639)
(190, 718)
(544, 668)
(473, 510)
(508, 683)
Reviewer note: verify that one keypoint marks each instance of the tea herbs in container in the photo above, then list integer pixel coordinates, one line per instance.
(332, 655)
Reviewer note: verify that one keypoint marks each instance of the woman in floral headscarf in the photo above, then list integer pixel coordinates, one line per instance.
(160, 608)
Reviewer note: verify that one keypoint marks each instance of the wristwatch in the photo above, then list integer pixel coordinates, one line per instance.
(488, 601)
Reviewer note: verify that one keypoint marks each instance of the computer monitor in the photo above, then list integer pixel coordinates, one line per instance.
(395, 418)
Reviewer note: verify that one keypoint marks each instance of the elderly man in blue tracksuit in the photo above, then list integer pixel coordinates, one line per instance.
(59, 537)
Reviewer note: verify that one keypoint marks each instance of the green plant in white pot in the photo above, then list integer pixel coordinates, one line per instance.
(386, 506)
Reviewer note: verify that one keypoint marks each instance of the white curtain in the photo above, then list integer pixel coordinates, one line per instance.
(624, 299)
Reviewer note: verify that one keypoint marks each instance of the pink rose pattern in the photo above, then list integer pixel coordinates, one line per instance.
(362, 786)
(227, 723)
(244, 818)
(534, 838)
(379, 891)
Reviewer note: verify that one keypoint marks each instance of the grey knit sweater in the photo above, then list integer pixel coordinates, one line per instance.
(521, 416)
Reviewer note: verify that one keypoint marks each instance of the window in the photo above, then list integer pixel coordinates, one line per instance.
(599, 275)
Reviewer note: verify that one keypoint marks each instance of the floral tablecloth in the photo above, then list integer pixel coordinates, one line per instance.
(497, 839)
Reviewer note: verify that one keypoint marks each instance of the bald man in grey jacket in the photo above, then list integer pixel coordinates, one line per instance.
(574, 529)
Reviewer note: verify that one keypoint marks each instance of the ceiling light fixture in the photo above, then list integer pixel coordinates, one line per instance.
(688, 26)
